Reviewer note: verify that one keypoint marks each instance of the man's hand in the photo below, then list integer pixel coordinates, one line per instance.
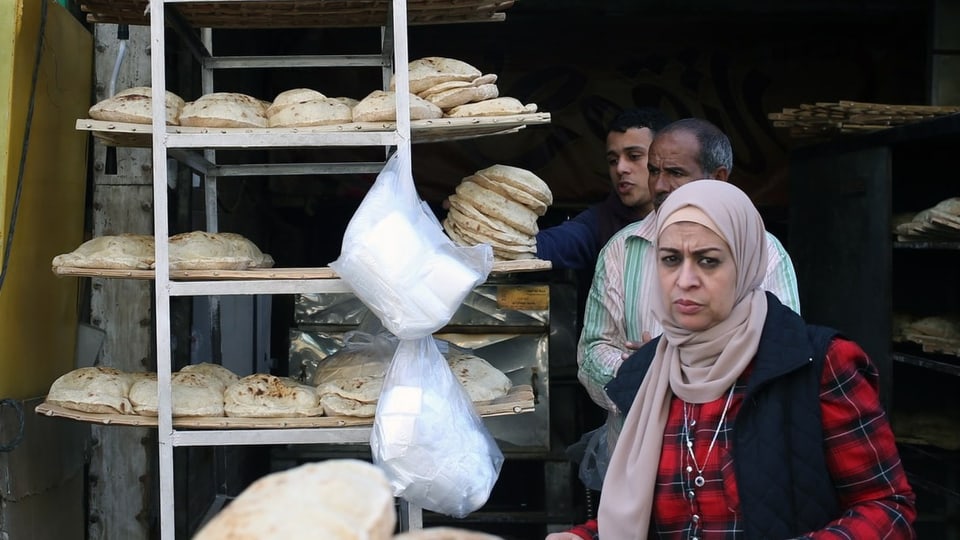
(633, 345)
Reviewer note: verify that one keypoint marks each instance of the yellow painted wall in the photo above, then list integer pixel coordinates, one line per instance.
(38, 311)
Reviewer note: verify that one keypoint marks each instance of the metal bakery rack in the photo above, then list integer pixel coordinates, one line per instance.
(193, 21)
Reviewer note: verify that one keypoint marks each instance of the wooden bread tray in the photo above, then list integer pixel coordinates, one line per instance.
(421, 131)
(298, 13)
(499, 267)
(519, 400)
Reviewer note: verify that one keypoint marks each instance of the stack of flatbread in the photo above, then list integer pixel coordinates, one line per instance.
(936, 333)
(499, 206)
(305, 107)
(459, 89)
(939, 222)
(226, 110)
(134, 105)
(195, 250)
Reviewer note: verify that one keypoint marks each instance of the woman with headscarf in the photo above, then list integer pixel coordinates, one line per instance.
(742, 421)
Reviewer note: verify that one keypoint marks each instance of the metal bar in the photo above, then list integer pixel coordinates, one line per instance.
(281, 61)
(245, 437)
(288, 169)
(289, 286)
(193, 160)
(186, 33)
(213, 139)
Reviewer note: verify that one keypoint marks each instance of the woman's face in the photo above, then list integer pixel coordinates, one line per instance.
(698, 275)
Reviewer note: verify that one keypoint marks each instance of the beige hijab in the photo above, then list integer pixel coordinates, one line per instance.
(697, 367)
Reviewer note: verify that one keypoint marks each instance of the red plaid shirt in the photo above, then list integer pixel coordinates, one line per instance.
(860, 450)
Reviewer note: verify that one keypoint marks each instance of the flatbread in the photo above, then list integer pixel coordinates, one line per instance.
(501, 106)
(223, 374)
(289, 97)
(519, 178)
(433, 70)
(449, 85)
(479, 378)
(268, 396)
(95, 389)
(337, 499)
(313, 112)
(122, 251)
(463, 221)
(936, 326)
(499, 207)
(474, 237)
(449, 99)
(362, 389)
(510, 191)
(334, 405)
(225, 109)
(351, 362)
(381, 106)
(445, 533)
(192, 394)
(135, 105)
(465, 207)
(200, 250)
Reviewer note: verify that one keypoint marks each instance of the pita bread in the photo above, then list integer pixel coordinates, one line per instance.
(224, 375)
(192, 394)
(135, 105)
(474, 238)
(352, 362)
(95, 389)
(465, 222)
(450, 85)
(479, 378)
(501, 106)
(200, 250)
(289, 97)
(380, 106)
(225, 109)
(433, 70)
(521, 179)
(348, 101)
(464, 206)
(362, 389)
(448, 99)
(502, 255)
(338, 499)
(511, 192)
(445, 533)
(334, 405)
(314, 112)
(935, 326)
(499, 207)
(123, 251)
(268, 396)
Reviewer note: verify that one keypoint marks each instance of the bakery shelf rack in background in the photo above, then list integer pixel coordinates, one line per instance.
(193, 21)
(856, 274)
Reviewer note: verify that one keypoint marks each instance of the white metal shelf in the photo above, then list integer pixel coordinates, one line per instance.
(250, 287)
(342, 435)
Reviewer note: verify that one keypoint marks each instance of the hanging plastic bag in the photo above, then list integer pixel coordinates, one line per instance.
(397, 260)
(428, 438)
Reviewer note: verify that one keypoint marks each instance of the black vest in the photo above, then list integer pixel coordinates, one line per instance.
(782, 477)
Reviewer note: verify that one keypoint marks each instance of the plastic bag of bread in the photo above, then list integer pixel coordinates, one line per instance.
(428, 438)
(397, 260)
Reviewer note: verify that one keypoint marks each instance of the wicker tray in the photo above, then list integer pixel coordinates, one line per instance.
(298, 13)
(519, 400)
(421, 131)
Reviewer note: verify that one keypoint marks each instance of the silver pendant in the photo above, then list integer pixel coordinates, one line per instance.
(699, 481)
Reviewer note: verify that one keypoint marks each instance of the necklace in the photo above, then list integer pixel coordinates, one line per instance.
(698, 480)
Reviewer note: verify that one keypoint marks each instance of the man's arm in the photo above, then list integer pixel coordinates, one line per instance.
(781, 278)
(571, 244)
(602, 339)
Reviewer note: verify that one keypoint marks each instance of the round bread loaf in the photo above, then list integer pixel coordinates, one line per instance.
(521, 179)
(135, 105)
(497, 206)
(433, 70)
(312, 112)
(501, 106)
(381, 106)
(225, 109)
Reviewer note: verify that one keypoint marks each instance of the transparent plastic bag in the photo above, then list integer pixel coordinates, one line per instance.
(362, 355)
(397, 260)
(428, 438)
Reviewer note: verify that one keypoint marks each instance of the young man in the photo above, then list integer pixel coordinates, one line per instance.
(575, 243)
